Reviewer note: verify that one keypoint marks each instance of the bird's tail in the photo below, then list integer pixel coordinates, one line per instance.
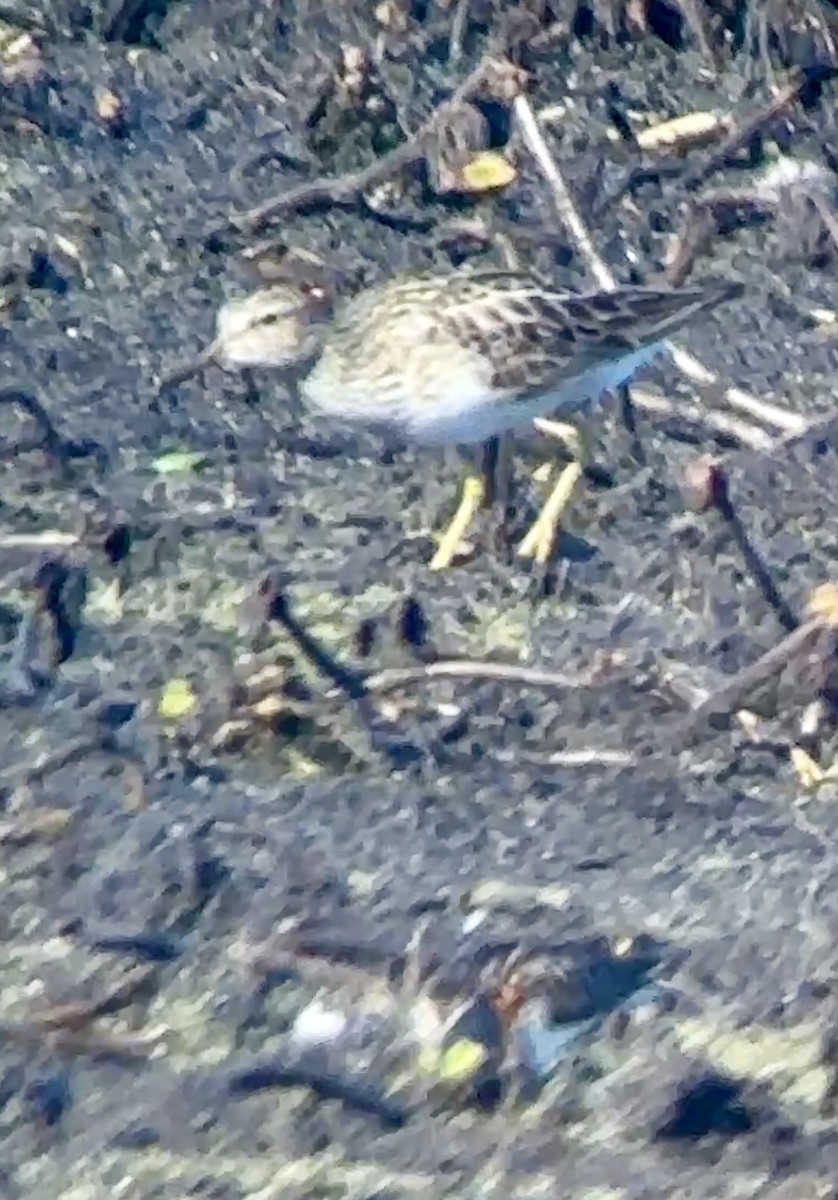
(640, 315)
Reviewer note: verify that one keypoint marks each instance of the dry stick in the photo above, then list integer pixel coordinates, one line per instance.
(754, 563)
(770, 414)
(700, 224)
(825, 426)
(342, 189)
(112, 1047)
(564, 204)
(761, 410)
(591, 757)
(458, 28)
(76, 1014)
(746, 434)
(395, 678)
(35, 541)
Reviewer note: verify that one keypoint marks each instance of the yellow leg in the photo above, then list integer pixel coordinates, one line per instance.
(540, 540)
(471, 501)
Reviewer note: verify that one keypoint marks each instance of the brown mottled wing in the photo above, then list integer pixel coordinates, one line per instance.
(534, 338)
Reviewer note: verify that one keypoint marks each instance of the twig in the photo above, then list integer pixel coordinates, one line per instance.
(737, 137)
(770, 414)
(753, 559)
(348, 681)
(345, 189)
(742, 431)
(115, 1049)
(36, 541)
(561, 196)
(395, 678)
(355, 1094)
(458, 28)
(699, 226)
(592, 757)
(681, 133)
(280, 957)
(77, 1014)
(818, 634)
(46, 823)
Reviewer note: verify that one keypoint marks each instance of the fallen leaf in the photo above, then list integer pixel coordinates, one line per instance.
(176, 700)
(177, 462)
(455, 1063)
(486, 172)
(808, 771)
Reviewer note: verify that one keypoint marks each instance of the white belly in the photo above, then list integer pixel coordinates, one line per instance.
(461, 409)
(470, 420)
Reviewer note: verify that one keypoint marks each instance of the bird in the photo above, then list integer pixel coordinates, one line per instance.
(466, 357)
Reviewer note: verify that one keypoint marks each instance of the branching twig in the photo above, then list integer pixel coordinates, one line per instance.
(725, 699)
(345, 189)
(818, 635)
(744, 133)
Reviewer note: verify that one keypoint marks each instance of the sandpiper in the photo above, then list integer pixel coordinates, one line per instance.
(463, 358)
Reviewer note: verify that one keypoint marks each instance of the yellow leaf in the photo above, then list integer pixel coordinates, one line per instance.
(808, 771)
(822, 604)
(454, 1064)
(176, 700)
(487, 171)
(461, 1059)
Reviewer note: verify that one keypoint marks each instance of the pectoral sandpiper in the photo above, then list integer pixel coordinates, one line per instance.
(467, 357)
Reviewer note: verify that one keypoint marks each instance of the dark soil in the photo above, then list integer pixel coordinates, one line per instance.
(348, 817)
